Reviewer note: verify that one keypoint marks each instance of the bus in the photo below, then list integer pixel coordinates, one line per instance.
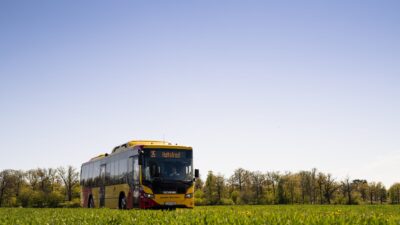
(140, 174)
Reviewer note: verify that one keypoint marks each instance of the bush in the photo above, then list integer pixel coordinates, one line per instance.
(37, 200)
(199, 201)
(227, 201)
(53, 200)
(235, 197)
(199, 198)
(25, 198)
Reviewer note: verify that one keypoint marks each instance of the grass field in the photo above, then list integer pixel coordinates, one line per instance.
(209, 215)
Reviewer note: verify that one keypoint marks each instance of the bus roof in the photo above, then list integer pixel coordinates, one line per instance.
(99, 156)
(149, 144)
(144, 144)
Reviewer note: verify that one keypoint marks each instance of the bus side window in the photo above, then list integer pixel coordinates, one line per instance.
(90, 174)
(85, 175)
(111, 168)
(123, 163)
(108, 174)
(135, 170)
(116, 172)
(130, 170)
(120, 165)
(81, 176)
(96, 173)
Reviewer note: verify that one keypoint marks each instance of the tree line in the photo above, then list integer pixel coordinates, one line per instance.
(60, 188)
(40, 188)
(304, 187)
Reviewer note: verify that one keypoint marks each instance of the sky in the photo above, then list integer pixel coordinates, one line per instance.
(262, 85)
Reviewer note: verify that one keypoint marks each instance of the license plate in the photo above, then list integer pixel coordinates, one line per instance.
(170, 203)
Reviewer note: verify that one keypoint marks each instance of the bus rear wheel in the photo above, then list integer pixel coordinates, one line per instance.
(90, 202)
(122, 201)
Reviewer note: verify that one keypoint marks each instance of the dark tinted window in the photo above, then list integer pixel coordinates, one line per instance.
(108, 173)
(136, 170)
(122, 170)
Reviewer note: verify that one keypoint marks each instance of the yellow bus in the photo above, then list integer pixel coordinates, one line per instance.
(140, 174)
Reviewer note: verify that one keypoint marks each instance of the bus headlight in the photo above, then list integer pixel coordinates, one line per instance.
(189, 195)
(148, 195)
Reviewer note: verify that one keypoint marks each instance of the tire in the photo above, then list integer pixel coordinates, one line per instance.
(90, 202)
(122, 202)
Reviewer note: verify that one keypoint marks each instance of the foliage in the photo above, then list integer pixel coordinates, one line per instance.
(39, 188)
(297, 214)
(394, 193)
(49, 188)
(304, 187)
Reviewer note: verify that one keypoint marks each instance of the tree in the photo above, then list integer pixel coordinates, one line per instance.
(32, 178)
(198, 184)
(290, 186)
(394, 193)
(53, 178)
(280, 190)
(70, 178)
(273, 179)
(347, 189)
(209, 189)
(382, 193)
(329, 188)
(220, 189)
(321, 180)
(361, 186)
(19, 181)
(44, 188)
(371, 192)
(44, 181)
(240, 178)
(313, 179)
(305, 185)
(258, 181)
(6, 186)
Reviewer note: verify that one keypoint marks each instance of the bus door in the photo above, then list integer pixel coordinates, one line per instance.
(102, 191)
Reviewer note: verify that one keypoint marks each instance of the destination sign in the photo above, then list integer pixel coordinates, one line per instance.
(168, 154)
(175, 155)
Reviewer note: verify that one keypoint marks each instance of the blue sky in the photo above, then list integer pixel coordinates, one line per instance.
(263, 85)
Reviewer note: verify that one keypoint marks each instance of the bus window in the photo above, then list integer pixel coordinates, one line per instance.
(86, 175)
(135, 170)
(112, 177)
(91, 174)
(188, 173)
(130, 170)
(122, 170)
(96, 173)
(108, 174)
(116, 170)
(82, 175)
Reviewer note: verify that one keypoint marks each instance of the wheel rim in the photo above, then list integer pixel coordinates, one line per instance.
(91, 204)
(123, 203)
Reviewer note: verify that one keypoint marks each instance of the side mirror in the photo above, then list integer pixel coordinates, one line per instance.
(140, 157)
(196, 173)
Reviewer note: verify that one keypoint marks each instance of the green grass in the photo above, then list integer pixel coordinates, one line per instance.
(209, 215)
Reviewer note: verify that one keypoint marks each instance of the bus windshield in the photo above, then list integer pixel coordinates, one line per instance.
(167, 165)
